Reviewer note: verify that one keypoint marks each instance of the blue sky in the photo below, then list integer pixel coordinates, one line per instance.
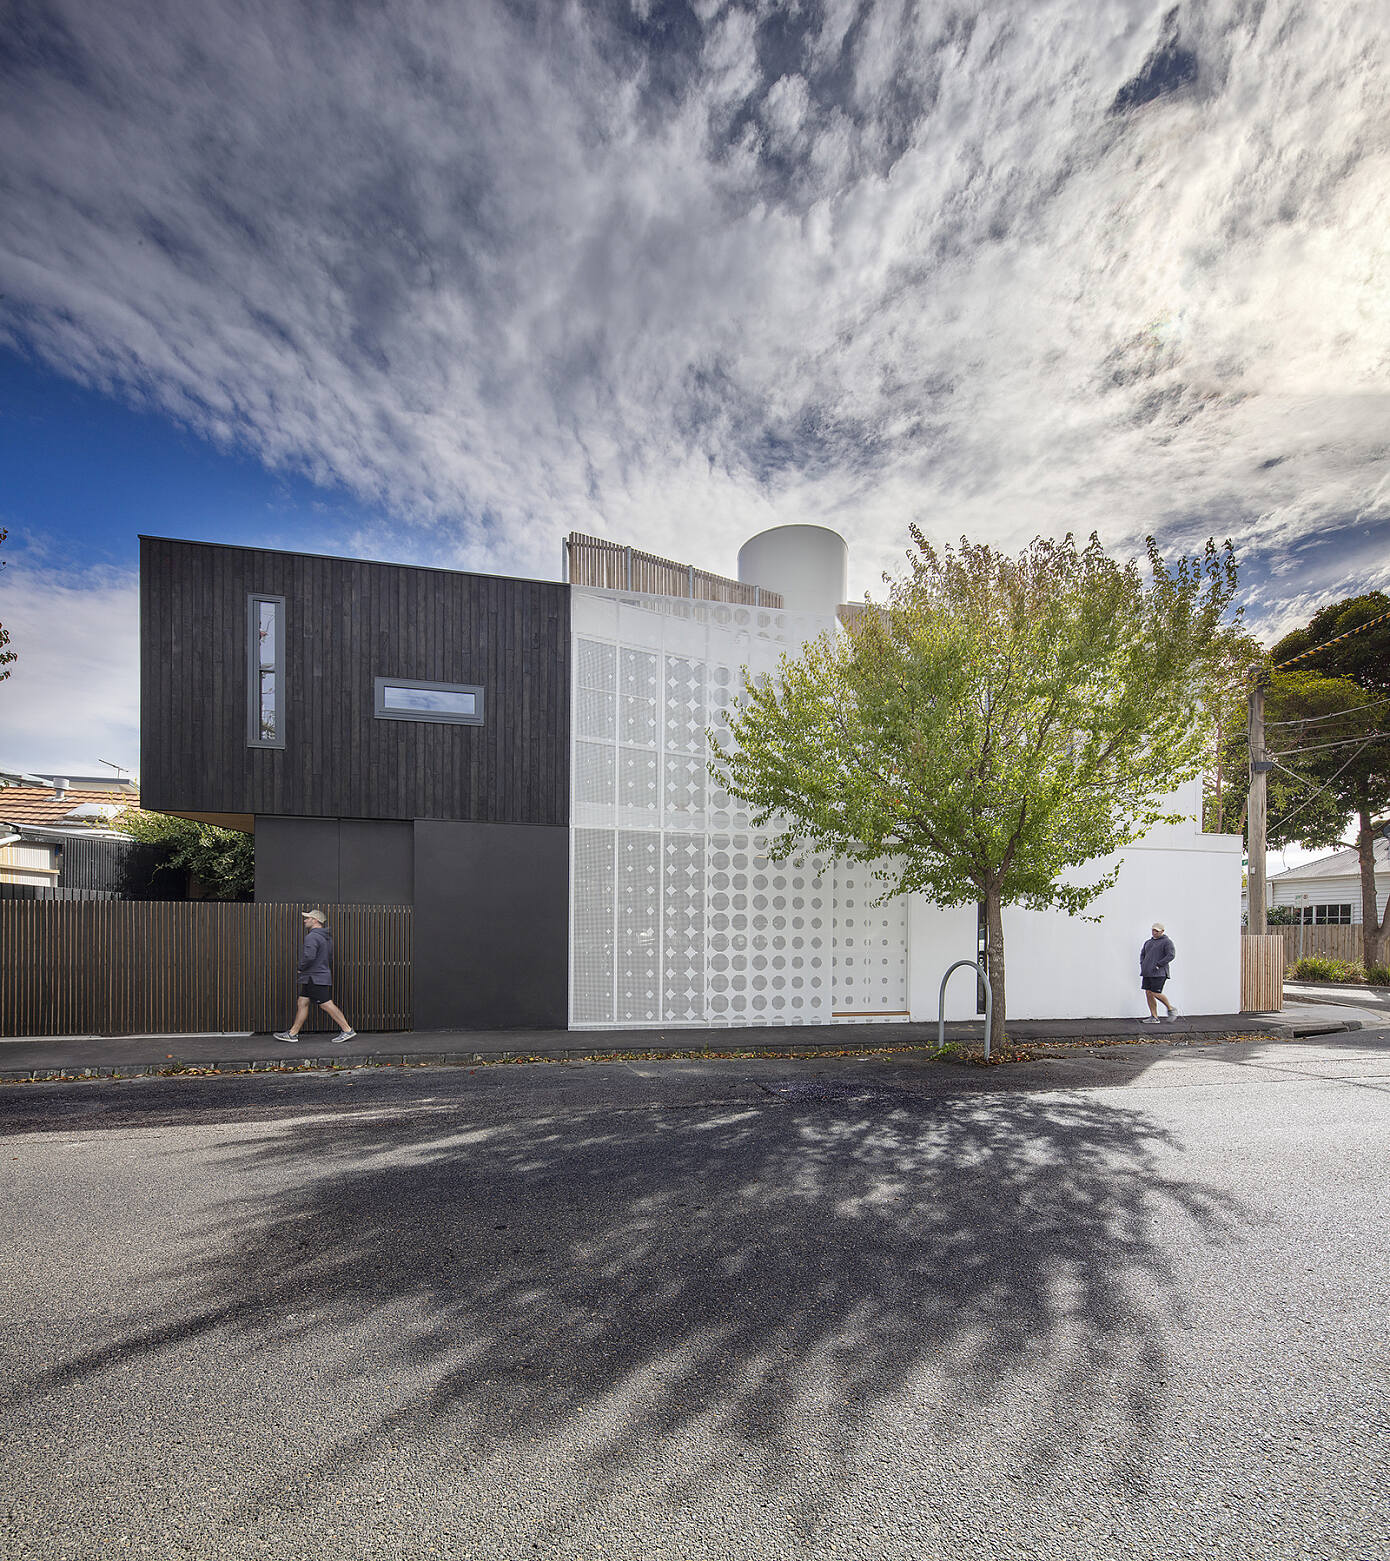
(443, 283)
(86, 474)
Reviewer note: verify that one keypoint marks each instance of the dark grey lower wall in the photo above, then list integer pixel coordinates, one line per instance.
(491, 926)
(334, 861)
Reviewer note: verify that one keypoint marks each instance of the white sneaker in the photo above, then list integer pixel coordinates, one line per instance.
(1173, 1011)
(1152, 1019)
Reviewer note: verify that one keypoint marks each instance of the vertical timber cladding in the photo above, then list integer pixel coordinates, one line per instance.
(346, 623)
(678, 916)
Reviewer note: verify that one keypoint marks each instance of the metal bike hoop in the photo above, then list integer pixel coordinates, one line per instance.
(979, 969)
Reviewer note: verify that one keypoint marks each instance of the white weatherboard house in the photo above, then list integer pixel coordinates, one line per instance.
(678, 917)
(1327, 891)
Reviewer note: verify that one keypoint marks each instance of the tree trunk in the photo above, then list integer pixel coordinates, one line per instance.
(994, 964)
(1372, 932)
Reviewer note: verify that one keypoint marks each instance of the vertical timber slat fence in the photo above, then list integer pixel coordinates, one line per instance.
(1330, 942)
(170, 967)
(1261, 974)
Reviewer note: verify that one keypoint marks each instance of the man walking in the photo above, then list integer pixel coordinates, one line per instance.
(1154, 959)
(316, 980)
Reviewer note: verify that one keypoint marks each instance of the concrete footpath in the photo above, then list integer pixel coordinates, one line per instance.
(1374, 998)
(26, 1058)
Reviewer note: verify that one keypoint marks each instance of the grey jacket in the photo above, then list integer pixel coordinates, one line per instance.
(316, 960)
(1154, 956)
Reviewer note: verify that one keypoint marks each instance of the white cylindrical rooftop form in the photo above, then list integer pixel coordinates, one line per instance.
(808, 565)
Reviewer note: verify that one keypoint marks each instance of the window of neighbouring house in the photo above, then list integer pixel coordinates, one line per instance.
(412, 699)
(265, 690)
(1326, 915)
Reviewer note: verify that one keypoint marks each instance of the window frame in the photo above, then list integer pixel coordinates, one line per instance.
(255, 738)
(434, 686)
(1309, 914)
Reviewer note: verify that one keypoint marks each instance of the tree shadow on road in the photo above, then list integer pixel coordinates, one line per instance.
(753, 1282)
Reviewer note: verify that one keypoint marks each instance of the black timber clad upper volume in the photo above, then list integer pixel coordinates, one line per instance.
(346, 623)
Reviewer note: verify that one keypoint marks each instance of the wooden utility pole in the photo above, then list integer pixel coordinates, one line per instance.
(1259, 769)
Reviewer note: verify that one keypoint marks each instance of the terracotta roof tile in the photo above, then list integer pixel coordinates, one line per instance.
(41, 805)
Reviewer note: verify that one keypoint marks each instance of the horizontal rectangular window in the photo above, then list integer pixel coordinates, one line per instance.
(1325, 915)
(265, 671)
(411, 699)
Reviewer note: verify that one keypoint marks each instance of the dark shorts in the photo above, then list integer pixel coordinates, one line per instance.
(316, 991)
(1152, 983)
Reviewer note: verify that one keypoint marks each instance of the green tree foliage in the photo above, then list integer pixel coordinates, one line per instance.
(222, 860)
(995, 726)
(1328, 716)
(6, 654)
(1364, 657)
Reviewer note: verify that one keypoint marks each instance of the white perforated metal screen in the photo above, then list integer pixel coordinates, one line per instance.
(678, 917)
(870, 943)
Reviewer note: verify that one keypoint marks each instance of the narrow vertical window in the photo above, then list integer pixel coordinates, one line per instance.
(265, 714)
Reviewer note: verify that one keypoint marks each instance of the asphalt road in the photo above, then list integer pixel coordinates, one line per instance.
(1130, 1304)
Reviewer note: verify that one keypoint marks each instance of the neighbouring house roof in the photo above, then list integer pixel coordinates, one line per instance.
(112, 783)
(1340, 864)
(59, 834)
(43, 805)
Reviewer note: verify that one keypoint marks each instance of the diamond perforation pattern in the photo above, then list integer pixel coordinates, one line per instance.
(638, 923)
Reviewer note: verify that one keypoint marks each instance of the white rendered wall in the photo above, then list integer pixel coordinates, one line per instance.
(1061, 967)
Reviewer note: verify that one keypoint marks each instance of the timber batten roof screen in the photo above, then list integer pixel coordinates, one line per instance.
(610, 566)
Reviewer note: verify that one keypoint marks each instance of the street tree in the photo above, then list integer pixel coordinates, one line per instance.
(1348, 639)
(995, 727)
(1328, 710)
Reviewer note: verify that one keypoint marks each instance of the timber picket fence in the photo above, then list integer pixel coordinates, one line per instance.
(1330, 942)
(169, 967)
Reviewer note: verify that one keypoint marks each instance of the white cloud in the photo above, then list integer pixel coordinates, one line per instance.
(647, 274)
(73, 695)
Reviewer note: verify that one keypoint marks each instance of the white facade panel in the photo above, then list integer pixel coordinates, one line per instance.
(869, 947)
(679, 917)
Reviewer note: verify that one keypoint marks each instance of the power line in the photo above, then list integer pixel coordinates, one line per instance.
(1308, 720)
(1335, 640)
(1296, 811)
(1340, 742)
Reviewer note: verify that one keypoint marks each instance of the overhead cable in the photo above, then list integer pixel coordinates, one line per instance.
(1338, 742)
(1308, 720)
(1296, 811)
(1335, 640)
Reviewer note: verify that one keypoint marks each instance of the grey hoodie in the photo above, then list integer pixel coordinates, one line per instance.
(1154, 956)
(316, 961)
